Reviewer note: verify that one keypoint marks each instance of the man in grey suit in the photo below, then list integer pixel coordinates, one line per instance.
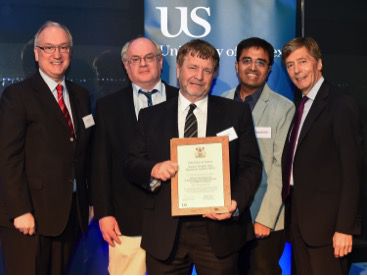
(272, 115)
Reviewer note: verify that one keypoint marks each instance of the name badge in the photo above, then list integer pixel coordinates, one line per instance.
(88, 121)
(263, 132)
(230, 132)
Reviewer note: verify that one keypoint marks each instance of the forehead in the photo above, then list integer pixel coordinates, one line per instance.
(299, 54)
(191, 58)
(54, 35)
(257, 52)
(141, 47)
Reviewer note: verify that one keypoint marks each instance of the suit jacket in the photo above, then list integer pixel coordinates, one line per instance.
(273, 111)
(152, 144)
(327, 168)
(38, 160)
(112, 193)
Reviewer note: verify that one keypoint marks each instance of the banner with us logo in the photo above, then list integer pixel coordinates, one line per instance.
(171, 23)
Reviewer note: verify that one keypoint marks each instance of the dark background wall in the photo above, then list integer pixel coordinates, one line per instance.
(340, 28)
(100, 28)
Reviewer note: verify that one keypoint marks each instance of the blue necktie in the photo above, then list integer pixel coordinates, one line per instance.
(148, 95)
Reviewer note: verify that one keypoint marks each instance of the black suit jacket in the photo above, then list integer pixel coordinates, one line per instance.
(327, 168)
(152, 144)
(38, 162)
(113, 194)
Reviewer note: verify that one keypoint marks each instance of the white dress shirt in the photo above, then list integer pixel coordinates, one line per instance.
(52, 85)
(200, 112)
(140, 101)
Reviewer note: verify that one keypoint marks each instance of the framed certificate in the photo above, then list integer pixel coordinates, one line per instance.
(202, 183)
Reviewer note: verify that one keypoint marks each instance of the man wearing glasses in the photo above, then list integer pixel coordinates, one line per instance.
(119, 204)
(45, 126)
(272, 115)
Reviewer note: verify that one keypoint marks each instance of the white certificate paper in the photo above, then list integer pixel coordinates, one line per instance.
(200, 175)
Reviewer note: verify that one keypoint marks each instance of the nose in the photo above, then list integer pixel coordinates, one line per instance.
(199, 74)
(253, 65)
(143, 62)
(296, 69)
(57, 52)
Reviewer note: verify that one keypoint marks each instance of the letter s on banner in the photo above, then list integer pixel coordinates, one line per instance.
(184, 21)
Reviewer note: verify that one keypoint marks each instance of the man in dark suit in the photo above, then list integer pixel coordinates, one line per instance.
(211, 241)
(321, 165)
(118, 204)
(45, 127)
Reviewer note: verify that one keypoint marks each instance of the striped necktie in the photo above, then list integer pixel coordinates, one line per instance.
(191, 123)
(64, 110)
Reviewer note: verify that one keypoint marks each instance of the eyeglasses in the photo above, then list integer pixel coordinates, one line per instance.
(258, 62)
(50, 49)
(149, 58)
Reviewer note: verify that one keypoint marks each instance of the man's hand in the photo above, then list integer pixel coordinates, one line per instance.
(25, 224)
(342, 244)
(110, 230)
(223, 216)
(261, 231)
(164, 170)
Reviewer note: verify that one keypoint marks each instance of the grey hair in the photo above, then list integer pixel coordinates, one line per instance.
(127, 44)
(52, 24)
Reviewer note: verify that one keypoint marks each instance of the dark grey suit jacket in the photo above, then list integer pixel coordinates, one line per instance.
(327, 168)
(112, 193)
(152, 144)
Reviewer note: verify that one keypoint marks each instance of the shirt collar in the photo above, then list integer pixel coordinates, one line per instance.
(51, 83)
(158, 87)
(315, 89)
(185, 103)
(252, 99)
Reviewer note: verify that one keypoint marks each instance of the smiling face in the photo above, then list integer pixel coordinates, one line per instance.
(146, 72)
(303, 69)
(253, 68)
(195, 76)
(54, 65)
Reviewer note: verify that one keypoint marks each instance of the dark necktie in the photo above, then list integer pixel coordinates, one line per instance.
(291, 148)
(148, 95)
(191, 123)
(64, 110)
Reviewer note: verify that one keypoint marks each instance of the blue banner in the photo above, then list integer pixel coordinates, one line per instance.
(171, 23)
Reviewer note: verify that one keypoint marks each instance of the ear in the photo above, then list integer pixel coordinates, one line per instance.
(35, 51)
(177, 71)
(319, 65)
(236, 67)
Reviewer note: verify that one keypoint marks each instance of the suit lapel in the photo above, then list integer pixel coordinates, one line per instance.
(260, 106)
(74, 103)
(171, 112)
(213, 115)
(47, 99)
(317, 107)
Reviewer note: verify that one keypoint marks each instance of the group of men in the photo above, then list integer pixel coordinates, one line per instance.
(294, 169)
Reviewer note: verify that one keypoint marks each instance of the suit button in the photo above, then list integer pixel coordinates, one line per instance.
(71, 139)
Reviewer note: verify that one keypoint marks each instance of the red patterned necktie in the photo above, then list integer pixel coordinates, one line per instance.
(64, 110)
